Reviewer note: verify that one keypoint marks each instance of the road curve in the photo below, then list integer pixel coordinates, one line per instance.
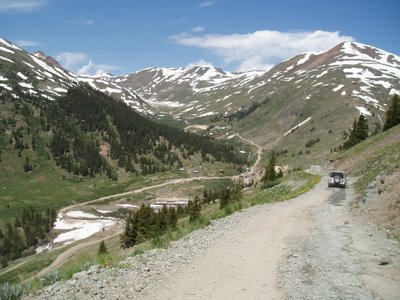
(118, 229)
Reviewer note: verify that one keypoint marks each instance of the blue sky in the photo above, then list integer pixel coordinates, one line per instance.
(123, 36)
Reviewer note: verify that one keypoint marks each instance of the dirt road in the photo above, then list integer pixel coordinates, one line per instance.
(310, 247)
(118, 229)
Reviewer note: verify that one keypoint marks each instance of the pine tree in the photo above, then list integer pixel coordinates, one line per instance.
(358, 133)
(362, 128)
(146, 223)
(270, 173)
(194, 208)
(393, 113)
(163, 219)
(129, 237)
(224, 198)
(172, 218)
(102, 248)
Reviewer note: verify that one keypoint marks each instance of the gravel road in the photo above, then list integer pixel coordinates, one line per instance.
(310, 247)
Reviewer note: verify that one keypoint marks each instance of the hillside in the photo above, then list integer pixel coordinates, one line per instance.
(376, 165)
(41, 75)
(323, 92)
(86, 133)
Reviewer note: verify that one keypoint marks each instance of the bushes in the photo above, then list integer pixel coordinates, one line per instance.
(145, 224)
(10, 292)
(51, 278)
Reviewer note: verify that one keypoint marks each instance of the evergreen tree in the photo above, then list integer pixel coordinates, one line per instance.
(102, 248)
(358, 133)
(163, 219)
(146, 223)
(270, 173)
(362, 128)
(224, 198)
(27, 165)
(194, 209)
(129, 237)
(172, 218)
(393, 113)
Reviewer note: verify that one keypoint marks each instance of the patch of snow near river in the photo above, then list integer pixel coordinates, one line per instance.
(80, 229)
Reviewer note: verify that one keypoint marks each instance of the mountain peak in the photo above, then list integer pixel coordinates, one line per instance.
(49, 59)
(366, 52)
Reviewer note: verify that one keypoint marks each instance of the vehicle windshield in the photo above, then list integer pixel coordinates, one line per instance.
(338, 174)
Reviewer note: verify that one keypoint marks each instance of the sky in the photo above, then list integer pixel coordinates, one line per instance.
(123, 36)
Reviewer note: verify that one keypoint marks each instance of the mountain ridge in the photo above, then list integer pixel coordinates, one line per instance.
(349, 72)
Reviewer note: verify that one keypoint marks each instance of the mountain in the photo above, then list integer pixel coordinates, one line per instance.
(41, 75)
(350, 70)
(200, 91)
(311, 96)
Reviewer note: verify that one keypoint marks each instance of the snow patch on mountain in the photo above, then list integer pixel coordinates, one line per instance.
(338, 88)
(20, 75)
(6, 59)
(10, 45)
(26, 85)
(363, 111)
(6, 50)
(5, 86)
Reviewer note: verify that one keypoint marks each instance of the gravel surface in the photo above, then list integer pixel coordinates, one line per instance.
(311, 247)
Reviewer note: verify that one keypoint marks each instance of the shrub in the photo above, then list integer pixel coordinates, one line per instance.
(50, 278)
(102, 248)
(10, 291)
(270, 183)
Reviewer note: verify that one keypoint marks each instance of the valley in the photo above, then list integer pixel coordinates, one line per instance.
(95, 148)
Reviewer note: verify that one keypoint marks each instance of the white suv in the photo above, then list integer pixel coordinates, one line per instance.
(337, 178)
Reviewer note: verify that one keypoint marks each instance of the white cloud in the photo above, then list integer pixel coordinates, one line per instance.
(207, 3)
(20, 5)
(200, 62)
(27, 43)
(261, 49)
(198, 29)
(96, 69)
(72, 60)
(83, 21)
(81, 64)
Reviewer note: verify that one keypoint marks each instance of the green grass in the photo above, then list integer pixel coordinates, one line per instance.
(210, 212)
(283, 191)
(30, 268)
(379, 153)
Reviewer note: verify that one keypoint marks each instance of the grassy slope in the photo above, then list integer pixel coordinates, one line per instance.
(209, 212)
(48, 186)
(375, 163)
(379, 153)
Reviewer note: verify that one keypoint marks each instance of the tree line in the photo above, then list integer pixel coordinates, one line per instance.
(85, 117)
(146, 224)
(28, 231)
(359, 131)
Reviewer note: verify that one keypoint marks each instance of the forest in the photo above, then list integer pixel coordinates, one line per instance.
(85, 118)
(87, 133)
(27, 232)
